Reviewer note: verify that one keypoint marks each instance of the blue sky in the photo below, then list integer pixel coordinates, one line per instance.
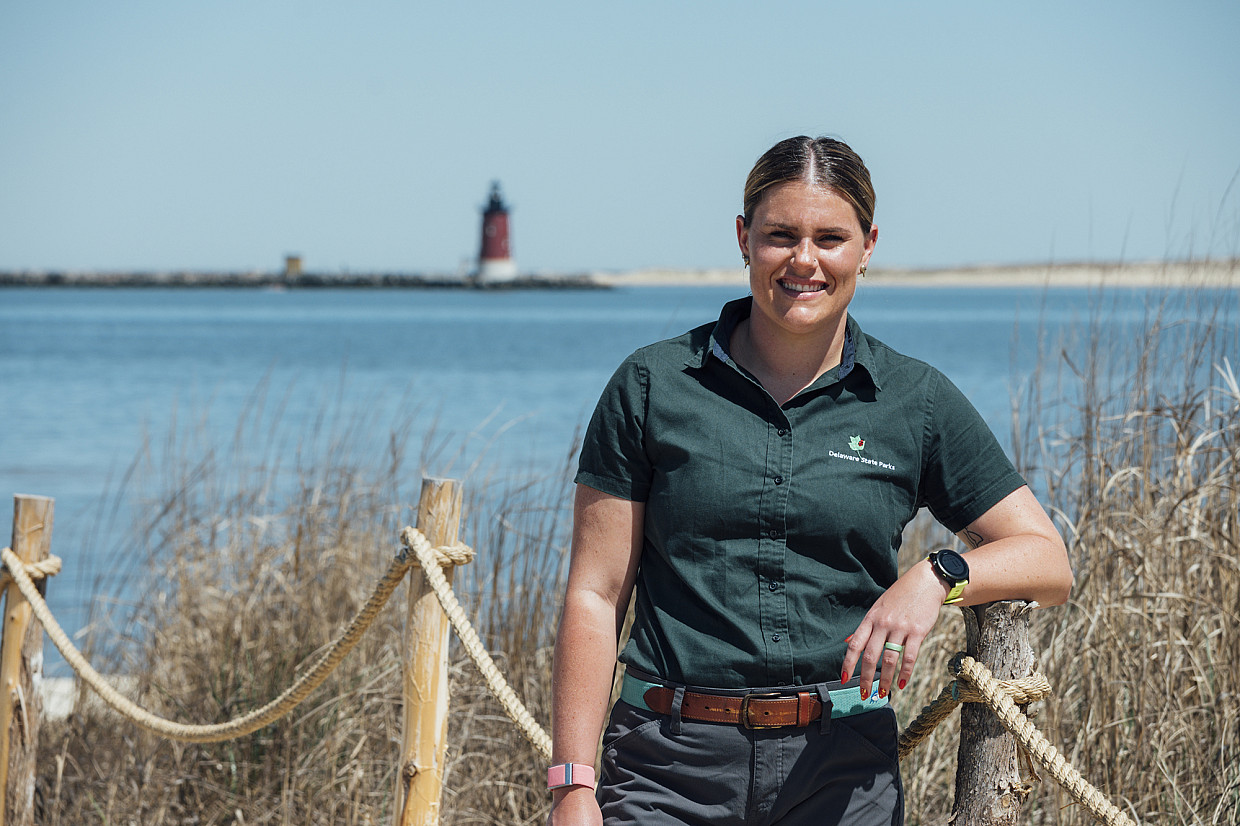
(223, 135)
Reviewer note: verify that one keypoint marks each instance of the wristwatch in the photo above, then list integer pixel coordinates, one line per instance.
(954, 570)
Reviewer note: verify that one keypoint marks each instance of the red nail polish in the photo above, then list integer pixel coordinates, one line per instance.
(843, 676)
(882, 693)
(903, 683)
(848, 638)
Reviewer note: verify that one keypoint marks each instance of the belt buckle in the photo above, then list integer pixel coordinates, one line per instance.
(745, 721)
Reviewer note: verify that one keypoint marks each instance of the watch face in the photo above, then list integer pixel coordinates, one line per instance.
(953, 565)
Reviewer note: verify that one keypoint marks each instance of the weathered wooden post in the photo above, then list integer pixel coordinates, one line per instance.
(21, 666)
(425, 679)
(989, 788)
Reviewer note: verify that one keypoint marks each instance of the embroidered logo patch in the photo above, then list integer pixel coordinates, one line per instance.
(857, 444)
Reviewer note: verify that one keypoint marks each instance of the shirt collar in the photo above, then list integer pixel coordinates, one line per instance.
(732, 314)
(856, 347)
(862, 354)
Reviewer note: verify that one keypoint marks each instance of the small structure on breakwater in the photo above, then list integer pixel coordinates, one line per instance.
(495, 253)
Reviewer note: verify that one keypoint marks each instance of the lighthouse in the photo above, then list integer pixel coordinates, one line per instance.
(495, 257)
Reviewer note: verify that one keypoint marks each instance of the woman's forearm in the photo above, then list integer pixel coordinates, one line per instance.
(607, 541)
(1016, 554)
(582, 672)
(1032, 568)
(585, 657)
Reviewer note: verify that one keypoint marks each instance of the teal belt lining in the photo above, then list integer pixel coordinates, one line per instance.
(845, 702)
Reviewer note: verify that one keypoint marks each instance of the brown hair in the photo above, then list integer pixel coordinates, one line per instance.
(822, 161)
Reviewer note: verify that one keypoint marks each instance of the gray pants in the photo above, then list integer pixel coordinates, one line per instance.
(660, 769)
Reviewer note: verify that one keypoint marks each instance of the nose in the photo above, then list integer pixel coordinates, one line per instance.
(803, 257)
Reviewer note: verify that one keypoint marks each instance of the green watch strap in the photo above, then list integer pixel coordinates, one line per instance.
(956, 594)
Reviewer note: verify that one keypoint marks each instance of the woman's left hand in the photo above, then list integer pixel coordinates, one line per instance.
(902, 616)
(1017, 554)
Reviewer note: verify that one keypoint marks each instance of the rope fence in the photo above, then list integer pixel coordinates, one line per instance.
(1003, 698)
(973, 682)
(417, 543)
(216, 732)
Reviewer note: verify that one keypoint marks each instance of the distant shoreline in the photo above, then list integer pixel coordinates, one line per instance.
(1143, 274)
(1137, 274)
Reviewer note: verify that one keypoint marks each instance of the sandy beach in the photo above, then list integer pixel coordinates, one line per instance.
(1145, 274)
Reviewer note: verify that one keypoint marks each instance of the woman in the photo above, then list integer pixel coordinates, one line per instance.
(752, 478)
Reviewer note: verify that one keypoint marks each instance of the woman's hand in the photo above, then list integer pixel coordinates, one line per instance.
(903, 615)
(1017, 554)
(575, 806)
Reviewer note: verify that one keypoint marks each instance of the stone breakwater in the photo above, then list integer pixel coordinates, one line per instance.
(269, 280)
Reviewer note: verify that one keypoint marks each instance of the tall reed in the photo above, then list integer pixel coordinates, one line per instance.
(257, 548)
(1134, 445)
(1142, 469)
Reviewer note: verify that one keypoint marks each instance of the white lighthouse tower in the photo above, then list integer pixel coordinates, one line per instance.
(495, 256)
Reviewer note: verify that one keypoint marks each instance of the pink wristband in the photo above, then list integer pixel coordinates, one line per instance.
(570, 774)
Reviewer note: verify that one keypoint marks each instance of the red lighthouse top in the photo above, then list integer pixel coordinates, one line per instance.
(495, 227)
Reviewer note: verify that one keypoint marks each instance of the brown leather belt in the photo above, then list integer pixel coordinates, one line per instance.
(750, 710)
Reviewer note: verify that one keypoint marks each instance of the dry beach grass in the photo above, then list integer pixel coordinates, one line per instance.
(1136, 444)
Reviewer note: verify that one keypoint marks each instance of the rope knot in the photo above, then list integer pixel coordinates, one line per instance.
(446, 555)
(1022, 690)
(35, 570)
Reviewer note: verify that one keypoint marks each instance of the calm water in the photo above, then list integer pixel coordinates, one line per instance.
(498, 380)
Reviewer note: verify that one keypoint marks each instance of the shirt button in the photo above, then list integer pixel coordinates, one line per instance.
(774, 586)
(773, 534)
(774, 637)
(779, 480)
(783, 431)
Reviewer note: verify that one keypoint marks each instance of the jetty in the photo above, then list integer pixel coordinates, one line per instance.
(294, 280)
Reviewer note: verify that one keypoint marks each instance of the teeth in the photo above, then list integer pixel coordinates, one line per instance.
(802, 288)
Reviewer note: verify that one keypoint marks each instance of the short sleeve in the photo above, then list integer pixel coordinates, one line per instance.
(966, 472)
(613, 455)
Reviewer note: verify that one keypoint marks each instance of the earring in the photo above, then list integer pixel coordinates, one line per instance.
(745, 258)
(863, 270)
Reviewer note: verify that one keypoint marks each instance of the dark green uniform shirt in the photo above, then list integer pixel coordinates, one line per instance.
(771, 530)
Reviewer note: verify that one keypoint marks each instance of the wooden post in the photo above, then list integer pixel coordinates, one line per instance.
(989, 788)
(21, 667)
(425, 676)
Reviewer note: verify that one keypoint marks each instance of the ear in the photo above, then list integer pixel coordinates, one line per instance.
(742, 235)
(871, 239)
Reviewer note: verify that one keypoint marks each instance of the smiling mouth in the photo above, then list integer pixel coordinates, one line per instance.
(800, 287)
